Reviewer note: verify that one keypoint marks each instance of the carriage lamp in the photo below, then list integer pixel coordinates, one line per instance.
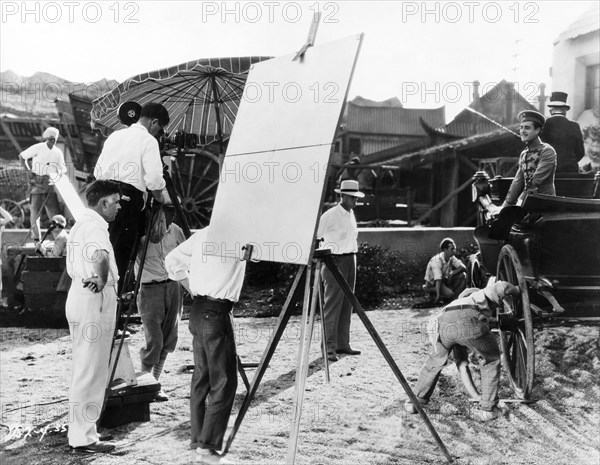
(480, 186)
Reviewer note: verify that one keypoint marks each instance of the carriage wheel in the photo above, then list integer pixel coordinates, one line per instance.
(475, 273)
(196, 179)
(515, 326)
(16, 211)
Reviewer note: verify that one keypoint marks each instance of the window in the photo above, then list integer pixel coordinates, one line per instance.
(592, 86)
(354, 145)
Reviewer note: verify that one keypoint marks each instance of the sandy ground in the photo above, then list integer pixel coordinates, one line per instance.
(357, 418)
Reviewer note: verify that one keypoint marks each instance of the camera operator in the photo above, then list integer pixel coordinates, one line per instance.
(131, 156)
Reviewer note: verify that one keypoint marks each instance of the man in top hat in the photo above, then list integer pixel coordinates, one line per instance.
(47, 165)
(464, 324)
(537, 162)
(131, 156)
(563, 135)
(339, 232)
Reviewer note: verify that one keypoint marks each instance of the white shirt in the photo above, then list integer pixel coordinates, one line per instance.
(45, 161)
(338, 229)
(439, 268)
(209, 275)
(132, 156)
(89, 234)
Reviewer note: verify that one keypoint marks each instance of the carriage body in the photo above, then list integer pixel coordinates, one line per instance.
(557, 243)
(549, 248)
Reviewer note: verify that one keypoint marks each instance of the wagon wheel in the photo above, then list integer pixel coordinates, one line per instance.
(515, 326)
(16, 211)
(475, 272)
(196, 179)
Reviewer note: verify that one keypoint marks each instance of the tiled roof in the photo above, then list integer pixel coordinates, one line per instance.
(391, 120)
(439, 152)
(365, 102)
(493, 105)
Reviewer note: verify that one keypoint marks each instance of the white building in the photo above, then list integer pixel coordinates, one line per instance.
(576, 65)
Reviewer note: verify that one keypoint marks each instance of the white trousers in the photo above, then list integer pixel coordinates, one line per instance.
(91, 320)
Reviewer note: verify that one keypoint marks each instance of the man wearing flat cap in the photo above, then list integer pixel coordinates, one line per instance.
(464, 323)
(47, 164)
(563, 135)
(537, 163)
(337, 228)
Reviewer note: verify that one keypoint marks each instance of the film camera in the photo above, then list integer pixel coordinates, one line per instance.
(129, 113)
(179, 140)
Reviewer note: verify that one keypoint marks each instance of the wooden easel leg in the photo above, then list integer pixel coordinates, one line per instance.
(307, 324)
(321, 302)
(383, 349)
(242, 373)
(282, 321)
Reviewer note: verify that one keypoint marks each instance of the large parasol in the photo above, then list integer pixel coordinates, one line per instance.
(202, 97)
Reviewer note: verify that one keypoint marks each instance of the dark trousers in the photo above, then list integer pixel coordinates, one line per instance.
(127, 227)
(50, 202)
(337, 308)
(159, 306)
(214, 381)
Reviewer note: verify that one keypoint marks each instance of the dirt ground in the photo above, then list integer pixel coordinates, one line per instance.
(357, 418)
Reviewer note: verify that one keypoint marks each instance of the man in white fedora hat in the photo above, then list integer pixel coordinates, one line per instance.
(563, 135)
(339, 232)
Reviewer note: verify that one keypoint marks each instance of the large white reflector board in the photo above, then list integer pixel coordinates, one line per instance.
(273, 174)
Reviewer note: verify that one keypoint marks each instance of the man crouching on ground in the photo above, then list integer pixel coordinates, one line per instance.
(465, 322)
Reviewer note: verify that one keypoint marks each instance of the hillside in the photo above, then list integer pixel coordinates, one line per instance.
(35, 95)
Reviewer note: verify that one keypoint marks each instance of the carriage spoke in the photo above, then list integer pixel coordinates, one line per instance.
(516, 335)
(189, 186)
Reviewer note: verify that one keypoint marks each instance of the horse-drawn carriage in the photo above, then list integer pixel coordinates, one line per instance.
(549, 248)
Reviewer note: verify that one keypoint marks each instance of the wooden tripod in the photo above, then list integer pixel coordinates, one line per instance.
(307, 322)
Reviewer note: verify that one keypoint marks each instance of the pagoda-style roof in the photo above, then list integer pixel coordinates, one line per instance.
(390, 118)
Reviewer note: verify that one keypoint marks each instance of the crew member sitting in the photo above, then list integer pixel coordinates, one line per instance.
(58, 223)
(445, 277)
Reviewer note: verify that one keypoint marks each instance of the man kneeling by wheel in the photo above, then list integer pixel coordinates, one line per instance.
(465, 322)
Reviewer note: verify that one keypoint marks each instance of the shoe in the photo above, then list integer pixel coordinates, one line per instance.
(161, 396)
(95, 448)
(105, 437)
(210, 457)
(348, 351)
(409, 407)
(332, 357)
(488, 415)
